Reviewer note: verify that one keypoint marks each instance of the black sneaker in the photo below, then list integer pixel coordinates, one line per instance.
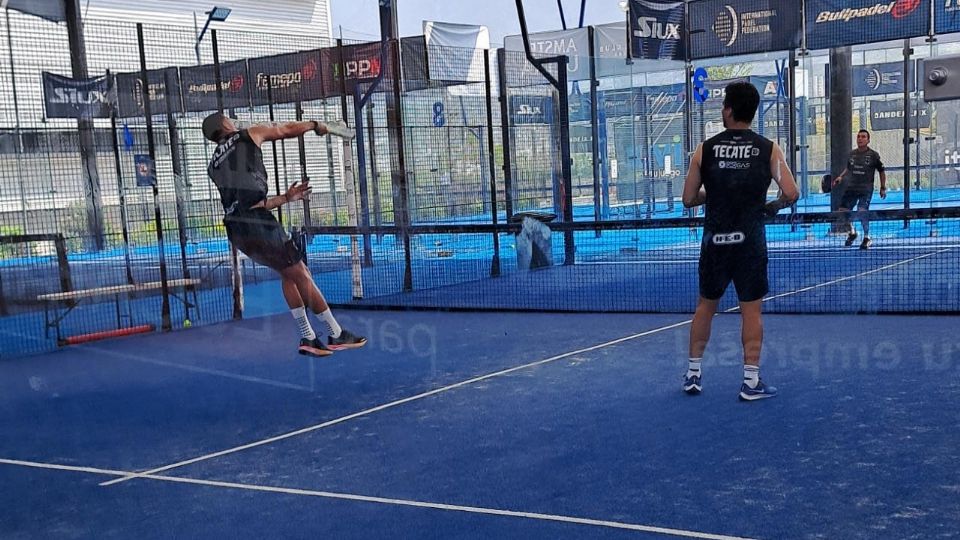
(867, 242)
(313, 347)
(347, 340)
(850, 238)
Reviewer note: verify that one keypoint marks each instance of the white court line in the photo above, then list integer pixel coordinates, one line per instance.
(387, 501)
(393, 404)
(443, 389)
(861, 274)
(198, 369)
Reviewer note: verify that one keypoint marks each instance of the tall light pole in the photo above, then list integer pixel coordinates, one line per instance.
(217, 14)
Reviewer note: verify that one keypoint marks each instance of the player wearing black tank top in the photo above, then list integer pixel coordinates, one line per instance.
(237, 170)
(730, 174)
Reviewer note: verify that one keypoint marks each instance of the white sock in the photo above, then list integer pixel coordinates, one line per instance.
(694, 367)
(303, 323)
(751, 376)
(332, 325)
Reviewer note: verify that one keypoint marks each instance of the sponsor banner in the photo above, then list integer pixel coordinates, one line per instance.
(526, 110)
(733, 27)
(835, 23)
(888, 115)
(657, 30)
(288, 78)
(575, 44)
(610, 49)
(52, 10)
(359, 65)
(198, 84)
(880, 79)
(623, 102)
(130, 92)
(145, 170)
(581, 140)
(947, 16)
(64, 97)
(413, 54)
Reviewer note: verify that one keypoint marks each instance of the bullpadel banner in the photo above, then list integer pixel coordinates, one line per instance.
(836, 23)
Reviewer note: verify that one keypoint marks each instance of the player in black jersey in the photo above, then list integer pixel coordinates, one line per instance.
(237, 170)
(731, 174)
(862, 165)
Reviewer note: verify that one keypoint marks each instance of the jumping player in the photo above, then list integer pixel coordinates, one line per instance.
(238, 171)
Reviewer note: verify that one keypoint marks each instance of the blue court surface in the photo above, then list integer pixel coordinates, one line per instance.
(487, 425)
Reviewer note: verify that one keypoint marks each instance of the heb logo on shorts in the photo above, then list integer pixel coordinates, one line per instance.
(898, 9)
(729, 238)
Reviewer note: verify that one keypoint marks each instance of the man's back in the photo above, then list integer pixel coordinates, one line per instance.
(238, 171)
(736, 175)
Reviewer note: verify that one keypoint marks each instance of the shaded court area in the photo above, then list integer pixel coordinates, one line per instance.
(479, 425)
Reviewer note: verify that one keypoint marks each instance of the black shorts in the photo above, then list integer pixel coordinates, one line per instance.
(261, 237)
(856, 198)
(744, 263)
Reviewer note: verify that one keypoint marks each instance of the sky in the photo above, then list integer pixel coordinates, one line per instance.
(360, 18)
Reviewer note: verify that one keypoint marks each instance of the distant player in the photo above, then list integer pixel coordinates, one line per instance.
(237, 170)
(862, 166)
(731, 174)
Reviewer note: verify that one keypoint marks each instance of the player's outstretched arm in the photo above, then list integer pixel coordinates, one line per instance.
(789, 193)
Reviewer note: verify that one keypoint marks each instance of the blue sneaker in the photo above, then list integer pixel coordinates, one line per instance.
(691, 384)
(762, 391)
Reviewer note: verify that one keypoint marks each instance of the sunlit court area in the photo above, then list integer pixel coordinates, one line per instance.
(521, 269)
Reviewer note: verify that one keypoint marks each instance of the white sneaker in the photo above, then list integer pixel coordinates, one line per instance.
(340, 129)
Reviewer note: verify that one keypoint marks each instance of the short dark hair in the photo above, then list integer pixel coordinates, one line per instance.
(213, 126)
(864, 131)
(743, 99)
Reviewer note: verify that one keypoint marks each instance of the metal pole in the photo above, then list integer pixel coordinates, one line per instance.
(566, 174)
(374, 175)
(302, 150)
(16, 113)
(179, 190)
(152, 149)
(595, 126)
(495, 264)
(234, 254)
(907, 117)
(273, 146)
(505, 134)
(331, 177)
(362, 172)
(121, 193)
(792, 135)
(88, 151)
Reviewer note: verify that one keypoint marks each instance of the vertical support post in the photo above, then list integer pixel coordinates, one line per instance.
(907, 118)
(841, 117)
(88, 152)
(17, 133)
(158, 219)
(273, 146)
(234, 254)
(362, 172)
(595, 128)
(374, 175)
(302, 151)
(505, 134)
(179, 188)
(566, 172)
(495, 264)
(121, 194)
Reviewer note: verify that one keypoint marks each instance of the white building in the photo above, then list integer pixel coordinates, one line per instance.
(48, 176)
